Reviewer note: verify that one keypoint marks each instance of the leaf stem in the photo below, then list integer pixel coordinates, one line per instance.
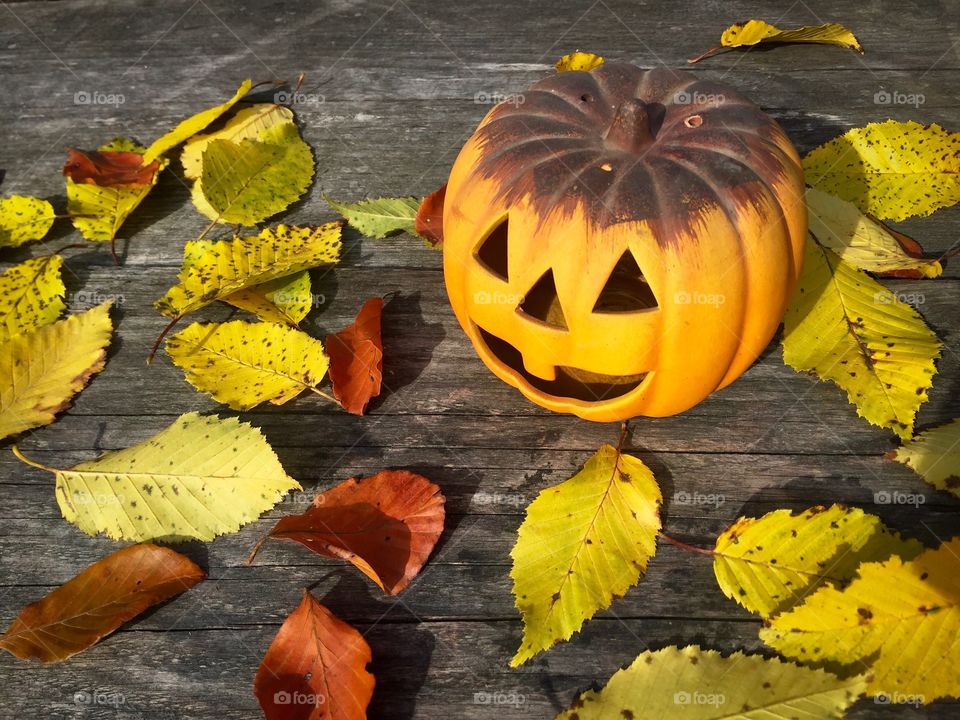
(322, 394)
(686, 546)
(705, 54)
(24, 459)
(156, 345)
(256, 549)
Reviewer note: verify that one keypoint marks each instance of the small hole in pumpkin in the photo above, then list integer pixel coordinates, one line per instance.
(694, 121)
(543, 304)
(586, 97)
(492, 253)
(625, 290)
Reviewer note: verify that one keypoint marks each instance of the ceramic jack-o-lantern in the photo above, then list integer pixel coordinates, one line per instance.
(623, 242)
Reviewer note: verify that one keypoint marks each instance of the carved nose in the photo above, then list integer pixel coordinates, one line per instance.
(631, 127)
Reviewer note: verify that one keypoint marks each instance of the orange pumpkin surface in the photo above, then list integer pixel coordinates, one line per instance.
(622, 241)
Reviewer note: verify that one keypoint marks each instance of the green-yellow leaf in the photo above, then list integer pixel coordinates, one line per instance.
(42, 370)
(31, 295)
(899, 617)
(935, 456)
(98, 212)
(247, 124)
(893, 170)
(284, 300)
(769, 563)
(846, 327)
(199, 478)
(23, 219)
(248, 181)
(379, 217)
(214, 270)
(582, 543)
(244, 364)
(697, 684)
(860, 240)
(578, 61)
(192, 125)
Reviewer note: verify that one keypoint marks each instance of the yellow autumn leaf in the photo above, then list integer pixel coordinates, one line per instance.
(31, 295)
(757, 32)
(893, 170)
(244, 364)
(192, 125)
(23, 219)
(246, 182)
(899, 618)
(697, 684)
(582, 543)
(198, 478)
(247, 124)
(847, 328)
(578, 61)
(41, 370)
(98, 212)
(379, 217)
(770, 563)
(214, 270)
(860, 240)
(284, 300)
(934, 455)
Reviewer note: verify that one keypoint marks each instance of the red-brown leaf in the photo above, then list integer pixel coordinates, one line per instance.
(386, 525)
(315, 668)
(429, 221)
(108, 168)
(356, 359)
(98, 601)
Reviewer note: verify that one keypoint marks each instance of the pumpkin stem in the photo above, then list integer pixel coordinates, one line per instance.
(630, 129)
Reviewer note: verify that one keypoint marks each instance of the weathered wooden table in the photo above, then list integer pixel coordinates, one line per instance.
(392, 90)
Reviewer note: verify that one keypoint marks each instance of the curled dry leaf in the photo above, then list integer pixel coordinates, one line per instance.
(578, 61)
(429, 220)
(386, 525)
(108, 168)
(98, 601)
(315, 668)
(356, 359)
(755, 32)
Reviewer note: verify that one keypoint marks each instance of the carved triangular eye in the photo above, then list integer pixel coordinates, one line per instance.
(542, 302)
(626, 289)
(492, 252)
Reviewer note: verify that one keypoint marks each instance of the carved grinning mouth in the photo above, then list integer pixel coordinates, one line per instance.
(570, 383)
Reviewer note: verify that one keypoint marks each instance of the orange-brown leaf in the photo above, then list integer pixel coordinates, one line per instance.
(429, 221)
(98, 601)
(356, 359)
(108, 168)
(315, 668)
(911, 247)
(386, 525)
